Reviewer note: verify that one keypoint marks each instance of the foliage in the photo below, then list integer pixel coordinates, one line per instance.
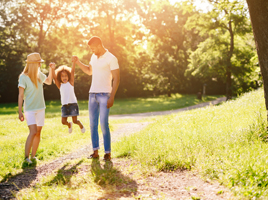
(168, 42)
(227, 50)
(227, 143)
(153, 40)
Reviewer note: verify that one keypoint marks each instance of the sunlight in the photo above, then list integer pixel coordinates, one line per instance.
(200, 4)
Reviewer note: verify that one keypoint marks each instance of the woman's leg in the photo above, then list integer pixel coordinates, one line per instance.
(30, 138)
(36, 141)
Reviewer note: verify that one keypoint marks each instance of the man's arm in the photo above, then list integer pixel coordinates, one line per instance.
(116, 81)
(85, 68)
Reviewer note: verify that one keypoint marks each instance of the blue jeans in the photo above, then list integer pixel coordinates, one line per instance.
(97, 106)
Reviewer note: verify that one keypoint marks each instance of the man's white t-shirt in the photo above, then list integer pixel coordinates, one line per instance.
(101, 72)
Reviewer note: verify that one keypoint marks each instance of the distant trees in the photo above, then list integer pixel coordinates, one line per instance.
(227, 52)
(168, 43)
(162, 48)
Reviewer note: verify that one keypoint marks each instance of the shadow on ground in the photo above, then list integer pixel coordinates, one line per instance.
(10, 185)
(107, 176)
(64, 174)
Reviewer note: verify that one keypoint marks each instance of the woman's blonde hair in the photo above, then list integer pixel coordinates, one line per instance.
(32, 70)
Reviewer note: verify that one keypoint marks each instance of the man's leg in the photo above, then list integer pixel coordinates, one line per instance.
(104, 117)
(93, 107)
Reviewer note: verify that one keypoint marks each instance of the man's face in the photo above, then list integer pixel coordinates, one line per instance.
(95, 48)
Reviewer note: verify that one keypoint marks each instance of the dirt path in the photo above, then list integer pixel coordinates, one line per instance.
(138, 116)
(174, 185)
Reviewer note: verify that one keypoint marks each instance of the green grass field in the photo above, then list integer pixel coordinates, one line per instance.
(121, 106)
(227, 143)
(56, 140)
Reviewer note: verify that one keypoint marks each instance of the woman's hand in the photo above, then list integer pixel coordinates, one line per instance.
(21, 117)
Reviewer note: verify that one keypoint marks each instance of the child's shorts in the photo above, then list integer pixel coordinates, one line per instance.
(70, 110)
(35, 117)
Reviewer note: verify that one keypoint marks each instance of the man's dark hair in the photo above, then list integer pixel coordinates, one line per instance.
(95, 40)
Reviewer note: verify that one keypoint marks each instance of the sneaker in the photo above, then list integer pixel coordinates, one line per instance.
(83, 130)
(71, 129)
(34, 159)
(27, 160)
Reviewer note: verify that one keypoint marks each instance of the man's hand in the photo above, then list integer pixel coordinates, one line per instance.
(110, 102)
(74, 59)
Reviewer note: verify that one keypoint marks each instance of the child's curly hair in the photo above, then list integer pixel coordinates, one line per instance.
(62, 68)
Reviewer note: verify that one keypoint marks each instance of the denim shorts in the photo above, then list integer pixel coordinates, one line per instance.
(70, 110)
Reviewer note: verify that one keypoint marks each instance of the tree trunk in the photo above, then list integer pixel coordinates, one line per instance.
(258, 10)
(229, 64)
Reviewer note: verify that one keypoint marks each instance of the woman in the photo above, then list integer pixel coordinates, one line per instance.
(31, 91)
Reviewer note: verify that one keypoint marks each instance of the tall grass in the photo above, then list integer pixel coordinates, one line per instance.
(225, 142)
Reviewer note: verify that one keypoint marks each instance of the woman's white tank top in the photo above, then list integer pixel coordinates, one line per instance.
(67, 94)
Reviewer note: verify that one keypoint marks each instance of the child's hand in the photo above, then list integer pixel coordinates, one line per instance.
(74, 59)
(52, 65)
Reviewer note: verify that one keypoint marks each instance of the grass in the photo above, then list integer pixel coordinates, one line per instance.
(121, 106)
(226, 143)
(56, 141)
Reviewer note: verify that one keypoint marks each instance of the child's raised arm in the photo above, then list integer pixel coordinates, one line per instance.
(53, 66)
(72, 72)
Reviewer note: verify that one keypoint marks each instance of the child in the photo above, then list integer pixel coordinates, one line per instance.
(31, 91)
(64, 79)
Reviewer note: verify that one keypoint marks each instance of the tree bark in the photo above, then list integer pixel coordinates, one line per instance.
(258, 10)
(229, 63)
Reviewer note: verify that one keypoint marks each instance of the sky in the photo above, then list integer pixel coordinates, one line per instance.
(200, 4)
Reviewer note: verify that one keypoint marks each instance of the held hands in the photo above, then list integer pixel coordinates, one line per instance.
(74, 59)
(21, 117)
(52, 65)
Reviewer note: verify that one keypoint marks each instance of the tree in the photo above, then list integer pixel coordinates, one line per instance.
(226, 22)
(169, 42)
(44, 16)
(13, 48)
(258, 10)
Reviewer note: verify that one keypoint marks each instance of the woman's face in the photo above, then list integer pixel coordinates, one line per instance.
(64, 77)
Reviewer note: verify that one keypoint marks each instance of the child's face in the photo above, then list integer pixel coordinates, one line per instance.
(64, 77)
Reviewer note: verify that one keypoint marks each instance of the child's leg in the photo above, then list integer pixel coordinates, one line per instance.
(65, 122)
(76, 121)
(30, 138)
(36, 141)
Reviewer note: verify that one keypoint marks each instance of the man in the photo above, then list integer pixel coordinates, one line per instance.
(104, 68)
